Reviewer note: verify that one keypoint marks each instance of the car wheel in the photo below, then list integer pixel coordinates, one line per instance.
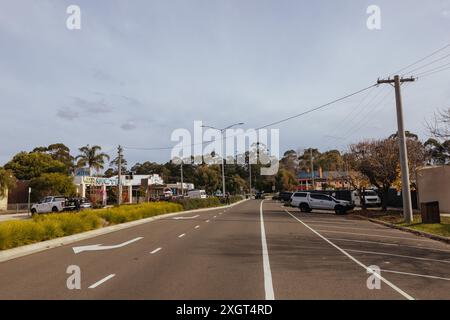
(54, 209)
(304, 208)
(33, 212)
(340, 210)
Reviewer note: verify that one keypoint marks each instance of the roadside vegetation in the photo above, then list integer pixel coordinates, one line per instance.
(50, 226)
(396, 218)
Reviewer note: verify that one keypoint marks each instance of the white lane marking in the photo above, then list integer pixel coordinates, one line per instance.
(390, 284)
(356, 228)
(390, 244)
(155, 251)
(207, 221)
(373, 235)
(329, 222)
(185, 218)
(181, 235)
(97, 247)
(415, 274)
(196, 227)
(268, 285)
(215, 217)
(102, 281)
(220, 212)
(397, 255)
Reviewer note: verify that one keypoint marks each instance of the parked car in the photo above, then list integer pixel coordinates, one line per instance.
(260, 195)
(371, 198)
(307, 201)
(59, 203)
(284, 196)
(197, 194)
(50, 204)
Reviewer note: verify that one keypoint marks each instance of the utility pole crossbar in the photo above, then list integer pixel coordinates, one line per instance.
(406, 190)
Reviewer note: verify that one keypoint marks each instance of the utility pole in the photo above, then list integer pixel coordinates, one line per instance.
(250, 174)
(222, 137)
(182, 185)
(406, 191)
(312, 170)
(119, 175)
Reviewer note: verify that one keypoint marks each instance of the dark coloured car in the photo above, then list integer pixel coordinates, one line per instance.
(285, 196)
(259, 195)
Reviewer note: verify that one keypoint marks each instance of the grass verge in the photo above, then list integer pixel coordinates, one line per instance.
(396, 218)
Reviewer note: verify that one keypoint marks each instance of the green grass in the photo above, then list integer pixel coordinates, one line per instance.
(49, 226)
(441, 229)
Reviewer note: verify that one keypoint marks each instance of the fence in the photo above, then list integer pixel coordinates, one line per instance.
(18, 207)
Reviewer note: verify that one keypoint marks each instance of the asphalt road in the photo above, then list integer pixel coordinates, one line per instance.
(240, 253)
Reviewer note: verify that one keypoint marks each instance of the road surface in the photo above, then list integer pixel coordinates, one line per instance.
(254, 250)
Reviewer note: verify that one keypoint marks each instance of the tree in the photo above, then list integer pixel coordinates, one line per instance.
(440, 125)
(330, 160)
(7, 181)
(59, 152)
(208, 178)
(379, 161)
(285, 180)
(438, 153)
(114, 167)
(26, 166)
(305, 159)
(52, 184)
(91, 158)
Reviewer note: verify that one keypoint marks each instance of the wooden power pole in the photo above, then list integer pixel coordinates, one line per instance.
(406, 190)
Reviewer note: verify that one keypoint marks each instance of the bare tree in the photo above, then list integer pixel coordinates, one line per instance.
(439, 127)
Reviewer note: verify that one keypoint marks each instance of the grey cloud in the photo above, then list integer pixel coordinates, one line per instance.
(129, 125)
(67, 114)
(97, 106)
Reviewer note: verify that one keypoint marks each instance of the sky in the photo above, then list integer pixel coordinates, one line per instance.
(138, 70)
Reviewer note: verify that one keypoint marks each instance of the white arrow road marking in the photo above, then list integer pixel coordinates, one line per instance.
(98, 247)
(184, 218)
(102, 281)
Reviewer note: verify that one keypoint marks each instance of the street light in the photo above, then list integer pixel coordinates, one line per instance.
(223, 151)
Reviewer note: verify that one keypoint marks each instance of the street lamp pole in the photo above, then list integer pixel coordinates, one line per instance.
(223, 149)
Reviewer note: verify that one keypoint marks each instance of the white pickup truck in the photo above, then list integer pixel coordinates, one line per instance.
(58, 204)
(307, 201)
(49, 204)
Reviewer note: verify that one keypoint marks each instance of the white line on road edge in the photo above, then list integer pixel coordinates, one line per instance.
(181, 235)
(268, 286)
(373, 235)
(397, 255)
(186, 218)
(155, 251)
(196, 227)
(390, 284)
(415, 274)
(102, 281)
(390, 244)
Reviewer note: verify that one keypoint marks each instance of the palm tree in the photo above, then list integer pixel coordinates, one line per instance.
(90, 157)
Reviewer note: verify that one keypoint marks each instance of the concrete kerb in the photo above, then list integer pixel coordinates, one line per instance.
(18, 252)
(416, 232)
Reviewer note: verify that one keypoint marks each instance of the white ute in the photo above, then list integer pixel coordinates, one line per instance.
(49, 204)
(307, 201)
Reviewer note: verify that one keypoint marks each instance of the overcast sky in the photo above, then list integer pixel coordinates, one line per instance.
(137, 70)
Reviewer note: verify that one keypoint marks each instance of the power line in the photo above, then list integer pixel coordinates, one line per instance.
(265, 126)
(430, 63)
(317, 108)
(422, 59)
(429, 73)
